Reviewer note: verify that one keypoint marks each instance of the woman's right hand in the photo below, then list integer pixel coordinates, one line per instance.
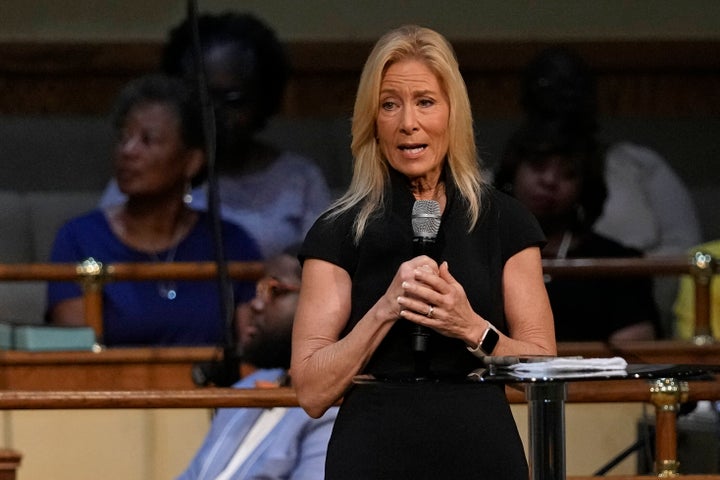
(324, 361)
(407, 273)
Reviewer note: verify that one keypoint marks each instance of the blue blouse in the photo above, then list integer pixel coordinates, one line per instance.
(143, 313)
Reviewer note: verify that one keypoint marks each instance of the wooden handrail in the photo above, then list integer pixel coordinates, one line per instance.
(577, 267)
(129, 271)
(218, 397)
(92, 275)
(130, 399)
(591, 391)
(700, 265)
(644, 266)
(645, 477)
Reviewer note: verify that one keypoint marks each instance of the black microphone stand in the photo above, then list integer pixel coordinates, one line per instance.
(225, 372)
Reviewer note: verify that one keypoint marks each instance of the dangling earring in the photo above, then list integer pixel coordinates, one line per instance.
(187, 196)
(580, 214)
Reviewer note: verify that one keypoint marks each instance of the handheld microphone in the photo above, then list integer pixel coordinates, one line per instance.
(426, 225)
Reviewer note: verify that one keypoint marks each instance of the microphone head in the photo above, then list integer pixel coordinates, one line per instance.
(426, 218)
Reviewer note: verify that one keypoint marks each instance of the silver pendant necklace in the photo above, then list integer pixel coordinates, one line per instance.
(166, 288)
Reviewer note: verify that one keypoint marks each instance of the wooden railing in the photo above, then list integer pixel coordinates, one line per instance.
(700, 265)
(665, 394)
(93, 275)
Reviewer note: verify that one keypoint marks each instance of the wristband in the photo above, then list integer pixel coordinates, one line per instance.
(487, 343)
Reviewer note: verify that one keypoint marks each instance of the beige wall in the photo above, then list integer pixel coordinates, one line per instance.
(366, 19)
(158, 444)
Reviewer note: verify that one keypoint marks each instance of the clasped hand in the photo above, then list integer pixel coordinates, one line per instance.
(427, 294)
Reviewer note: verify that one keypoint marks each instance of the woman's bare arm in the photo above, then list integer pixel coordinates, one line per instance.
(323, 365)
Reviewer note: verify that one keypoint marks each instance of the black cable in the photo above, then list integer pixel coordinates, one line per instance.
(226, 371)
(643, 446)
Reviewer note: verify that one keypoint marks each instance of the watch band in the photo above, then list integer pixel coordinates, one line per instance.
(488, 342)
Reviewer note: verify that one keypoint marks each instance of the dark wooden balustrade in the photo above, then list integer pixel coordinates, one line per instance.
(93, 275)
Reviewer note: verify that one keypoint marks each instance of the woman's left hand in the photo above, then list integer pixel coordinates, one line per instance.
(438, 301)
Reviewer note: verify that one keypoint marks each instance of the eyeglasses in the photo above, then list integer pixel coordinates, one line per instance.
(268, 289)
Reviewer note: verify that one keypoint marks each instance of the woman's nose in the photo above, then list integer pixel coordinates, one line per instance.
(408, 121)
(257, 303)
(549, 175)
(129, 144)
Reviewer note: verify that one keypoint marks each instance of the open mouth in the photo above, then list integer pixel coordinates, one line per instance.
(413, 149)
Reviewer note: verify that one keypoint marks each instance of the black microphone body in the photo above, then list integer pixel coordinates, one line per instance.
(421, 334)
(426, 225)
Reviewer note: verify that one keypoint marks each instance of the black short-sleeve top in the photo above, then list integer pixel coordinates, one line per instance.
(475, 259)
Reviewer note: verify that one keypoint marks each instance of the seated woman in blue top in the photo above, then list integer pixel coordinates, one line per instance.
(273, 193)
(158, 154)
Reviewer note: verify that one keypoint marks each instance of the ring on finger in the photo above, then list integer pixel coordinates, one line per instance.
(430, 312)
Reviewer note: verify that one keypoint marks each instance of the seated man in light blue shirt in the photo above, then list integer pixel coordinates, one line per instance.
(274, 443)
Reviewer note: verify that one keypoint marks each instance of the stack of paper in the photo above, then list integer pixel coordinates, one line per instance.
(568, 366)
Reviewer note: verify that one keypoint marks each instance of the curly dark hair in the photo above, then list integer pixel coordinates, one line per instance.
(541, 137)
(558, 83)
(169, 91)
(273, 66)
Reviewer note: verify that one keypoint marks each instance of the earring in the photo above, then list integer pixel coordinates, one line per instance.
(580, 214)
(187, 196)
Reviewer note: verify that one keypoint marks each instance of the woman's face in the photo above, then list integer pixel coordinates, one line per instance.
(412, 122)
(233, 83)
(549, 187)
(150, 155)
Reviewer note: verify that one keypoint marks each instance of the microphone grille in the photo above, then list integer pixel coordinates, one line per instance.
(426, 218)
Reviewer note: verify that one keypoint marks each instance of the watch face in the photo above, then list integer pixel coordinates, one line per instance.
(489, 341)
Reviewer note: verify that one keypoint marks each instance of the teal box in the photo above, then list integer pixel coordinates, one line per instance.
(45, 338)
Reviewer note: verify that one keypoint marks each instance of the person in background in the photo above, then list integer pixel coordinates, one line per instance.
(274, 194)
(648, 207)
(364, 292)
(158, 153)
(294, 445)
(556, 170)
(684, 306)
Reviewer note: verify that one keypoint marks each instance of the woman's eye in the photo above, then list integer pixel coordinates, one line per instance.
(426, 102)
(388, 105)
(151, 138)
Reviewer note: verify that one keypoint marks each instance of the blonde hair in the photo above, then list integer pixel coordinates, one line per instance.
(370, 169)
